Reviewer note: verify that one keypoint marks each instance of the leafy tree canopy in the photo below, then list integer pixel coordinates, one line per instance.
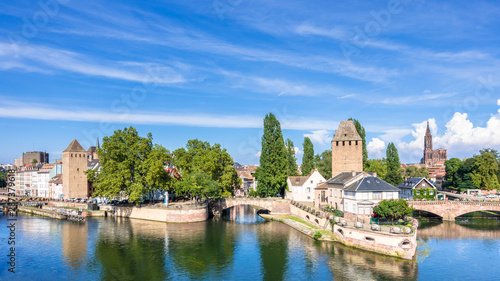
(130, 166)
(324, 164)
(308, 157)
(393, 209)
(214, 161)
(378, 166)
(273, 170)
(393, 175)
(292, 161)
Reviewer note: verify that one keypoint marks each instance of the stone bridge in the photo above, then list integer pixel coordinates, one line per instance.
(449, 210)
(273, 205)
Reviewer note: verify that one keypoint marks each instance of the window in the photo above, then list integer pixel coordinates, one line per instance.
(309, 190)
(389, 195)
(431, 192)
(356, 142)
(322, 196)
(423, 184)
(417, 192)
(331, 192)
(311, 181)
(377, 195)
(343, 143)
(337, 143)
(349, 143)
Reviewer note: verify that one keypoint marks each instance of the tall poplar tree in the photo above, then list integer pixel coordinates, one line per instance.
(292, 161)
(393, 175)
(324, 164)
(362, 134)
(308, 158)
(272, 172)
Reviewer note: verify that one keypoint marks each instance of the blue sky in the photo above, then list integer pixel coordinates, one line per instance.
(213, 69)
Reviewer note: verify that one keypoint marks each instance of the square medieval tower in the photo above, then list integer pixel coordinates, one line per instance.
(74, 167)
(347, 149)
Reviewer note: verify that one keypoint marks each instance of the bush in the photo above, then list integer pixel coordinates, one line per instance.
(338, 213)
(317, 235)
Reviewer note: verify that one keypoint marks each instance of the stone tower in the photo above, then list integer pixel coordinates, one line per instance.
(74, 167)
(347, 149)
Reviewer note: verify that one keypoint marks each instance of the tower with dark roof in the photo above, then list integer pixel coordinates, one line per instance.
(347, 149)
(74, 166)
(431, 156)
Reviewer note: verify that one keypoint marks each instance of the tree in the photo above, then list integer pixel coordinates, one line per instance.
(453, 177)
(198, 185)
(214, 161)
(393, 209)
(34, 161)
(324, 164)
(273, 169)
(3, 179)
(362, 134)
(393, 175)
(414, 172)
(292, 161)
(131, 166)
(378, 166)
(308, 158)
(485, 171)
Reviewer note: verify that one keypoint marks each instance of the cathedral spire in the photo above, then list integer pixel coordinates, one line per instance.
(97, 145)
(428, 131)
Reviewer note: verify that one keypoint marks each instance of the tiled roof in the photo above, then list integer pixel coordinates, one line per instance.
(370, 184)
(322, 185)
(74, 146)
(343, 177)
(298, 180)
(346, 131)
(57, 179)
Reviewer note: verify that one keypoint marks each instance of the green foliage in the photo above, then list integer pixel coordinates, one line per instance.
(424, 193)
(324, 164)
(394, 209)
(34, 161)
(317, 235)
(477, 172)
(253, 193)
(308, 157)
(485, 171)
(378, 166)
(198, 185)
(362, 134)
(273, 169)
(200, 157)
(393, 175)
(131, 166)
(3, 179)
(414, 172)
(292, 161)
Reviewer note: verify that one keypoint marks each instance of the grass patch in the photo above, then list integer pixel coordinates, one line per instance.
(300, 220)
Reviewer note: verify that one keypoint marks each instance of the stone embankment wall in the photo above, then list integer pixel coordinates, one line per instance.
(310, 218)
(163, 214)
(398, 245)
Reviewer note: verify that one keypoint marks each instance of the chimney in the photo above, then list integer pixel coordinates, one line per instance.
(374, 174)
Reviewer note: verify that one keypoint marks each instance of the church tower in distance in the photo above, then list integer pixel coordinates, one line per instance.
(432, 157)
(347, 149)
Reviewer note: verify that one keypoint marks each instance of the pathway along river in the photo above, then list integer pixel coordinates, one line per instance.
(239, 246)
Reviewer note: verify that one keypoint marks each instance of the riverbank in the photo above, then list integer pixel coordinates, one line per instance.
(389, 244)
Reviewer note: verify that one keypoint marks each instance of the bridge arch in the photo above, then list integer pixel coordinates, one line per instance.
(449, 210)
(274, 205)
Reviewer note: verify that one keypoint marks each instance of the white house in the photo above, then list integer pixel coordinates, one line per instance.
(301, 188)
(362, 195)
(416, 186)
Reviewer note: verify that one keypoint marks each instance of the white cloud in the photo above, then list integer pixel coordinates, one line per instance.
(376, 148)
(24, 56)
(461, 138)
(258, 154)
(321, 137)
(498, 102)
(298, 151)
(9, 109)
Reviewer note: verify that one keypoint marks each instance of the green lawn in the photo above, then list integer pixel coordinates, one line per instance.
(301, 221)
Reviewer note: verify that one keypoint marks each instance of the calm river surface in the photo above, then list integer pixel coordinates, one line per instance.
(240, 246)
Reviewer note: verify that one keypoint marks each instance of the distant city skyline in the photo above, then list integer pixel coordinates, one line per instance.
(211, 71)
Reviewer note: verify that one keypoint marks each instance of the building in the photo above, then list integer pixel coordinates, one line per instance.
(18, 162)
(361, 195)
(43, 180)
(40, 157)
(347, 149)
(56, 187)
(92, 152)
(416, 187)
(248, 181)
(432, 157)
(75, 184)
(301, 188)
(334, 190)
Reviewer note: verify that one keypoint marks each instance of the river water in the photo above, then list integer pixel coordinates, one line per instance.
(239, 246)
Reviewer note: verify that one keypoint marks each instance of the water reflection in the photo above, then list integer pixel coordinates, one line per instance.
(240, 245)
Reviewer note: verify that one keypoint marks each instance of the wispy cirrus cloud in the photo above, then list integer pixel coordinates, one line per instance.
(50, 60)
(20, 110)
